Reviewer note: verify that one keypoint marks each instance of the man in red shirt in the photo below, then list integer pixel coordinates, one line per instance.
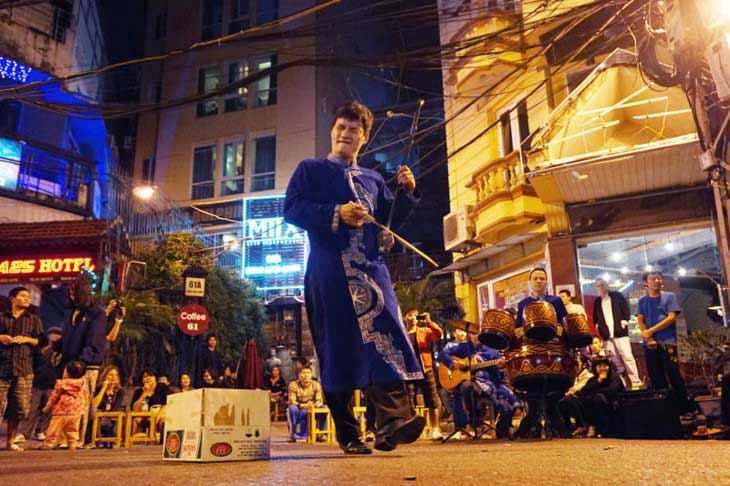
(423, 332)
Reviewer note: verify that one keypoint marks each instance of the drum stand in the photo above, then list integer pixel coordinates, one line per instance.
(477, 430)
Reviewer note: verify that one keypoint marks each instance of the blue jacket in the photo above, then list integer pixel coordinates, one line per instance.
(85, 341)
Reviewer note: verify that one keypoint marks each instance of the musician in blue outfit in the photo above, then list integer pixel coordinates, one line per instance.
(356, 325)
(486, 382)
(530, 425)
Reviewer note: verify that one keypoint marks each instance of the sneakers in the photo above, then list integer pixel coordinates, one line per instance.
(20, 438)
(15, 447)
(369, 436)
(591, 431)
(40, 436)
(436, 435)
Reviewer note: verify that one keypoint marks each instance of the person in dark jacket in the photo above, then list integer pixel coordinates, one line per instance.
(611, 317)
(84, 337)
(599, 397)
(208, 359)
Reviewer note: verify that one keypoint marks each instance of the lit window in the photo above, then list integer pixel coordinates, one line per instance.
(209, 80)
(233, 168)
(238, 100)
(265, 87)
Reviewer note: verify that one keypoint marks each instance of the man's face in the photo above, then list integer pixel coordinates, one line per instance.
(654, 282)
(207, 378)
(602, 287)
(347, 137)
(305, 376)
(460, 336)
(22, 300)
(538, 281)
(565, 298)
(149, 380)
(596, 345)
(164, 380)
(212, 342)
(275, 372)
(411, 317)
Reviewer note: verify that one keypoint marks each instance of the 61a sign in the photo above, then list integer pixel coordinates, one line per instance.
(193, 319)
(194, 287)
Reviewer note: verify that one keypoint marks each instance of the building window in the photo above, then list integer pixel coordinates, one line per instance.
(264, 164)
(239, 16)
(266, 87)
(237, 101)
(61, 22)
(209, 80)
(514, 128)
(212, 25)
(160, 25)
(148, 170)
(233, 168)
(266, 11)
(203, 172)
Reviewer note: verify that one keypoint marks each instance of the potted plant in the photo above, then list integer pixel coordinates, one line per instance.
(708, 351)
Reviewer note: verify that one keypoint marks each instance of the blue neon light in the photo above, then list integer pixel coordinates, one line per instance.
(9, 151)
(274, 252)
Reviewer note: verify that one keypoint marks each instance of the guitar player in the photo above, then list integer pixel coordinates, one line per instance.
(486, 382)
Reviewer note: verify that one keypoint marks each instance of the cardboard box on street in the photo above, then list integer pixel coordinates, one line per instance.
(213, 424)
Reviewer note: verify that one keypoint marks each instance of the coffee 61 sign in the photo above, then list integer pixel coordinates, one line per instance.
(193, 319)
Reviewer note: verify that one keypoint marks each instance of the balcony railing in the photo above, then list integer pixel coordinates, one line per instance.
(497, 179)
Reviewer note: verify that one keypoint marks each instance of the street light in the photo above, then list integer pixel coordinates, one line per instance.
(144, 192)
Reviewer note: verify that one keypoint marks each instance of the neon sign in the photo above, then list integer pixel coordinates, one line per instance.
(13, 70)
(45, 266)
(9, 150)
(274, 251)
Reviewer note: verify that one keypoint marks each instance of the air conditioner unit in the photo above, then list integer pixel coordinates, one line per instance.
(458, 229)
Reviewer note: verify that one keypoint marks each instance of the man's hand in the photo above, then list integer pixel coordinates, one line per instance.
(501, 362)
(405, 178)
(110, 307)
(353, 214)
(6, 340)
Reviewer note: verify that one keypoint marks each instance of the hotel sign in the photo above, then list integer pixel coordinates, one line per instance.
(37, 269)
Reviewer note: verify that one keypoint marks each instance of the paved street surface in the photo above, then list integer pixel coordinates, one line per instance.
(558, 462)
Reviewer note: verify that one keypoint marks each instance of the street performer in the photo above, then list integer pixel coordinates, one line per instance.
(353, 313)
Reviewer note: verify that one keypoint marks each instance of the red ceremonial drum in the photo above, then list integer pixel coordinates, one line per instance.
(578, 330)
(497, 329)
(541, 367)
(539, 321)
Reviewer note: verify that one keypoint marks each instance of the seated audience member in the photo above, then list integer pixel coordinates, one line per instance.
(228, 379)
(185, 383)
(276, 386)
(153, 397)
(570, 406)
(599, 398)
(209, 380)
(487, 382)
(597, 349)
(108, 398)
(163, 379)
(304, 394)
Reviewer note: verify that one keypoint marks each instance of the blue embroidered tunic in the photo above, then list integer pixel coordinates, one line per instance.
(353, 313)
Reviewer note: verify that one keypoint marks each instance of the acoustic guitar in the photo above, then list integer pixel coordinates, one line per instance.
(450, 379)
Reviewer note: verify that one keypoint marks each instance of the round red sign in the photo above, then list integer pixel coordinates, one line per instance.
(193, 319)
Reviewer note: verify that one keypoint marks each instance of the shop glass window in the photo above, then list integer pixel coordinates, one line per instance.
(203, 172)
(688, 259)
(212, 19)
(264, 164)
(233, 168)
(209, 80)
(239, 16)
(238, 100)
(266, 87)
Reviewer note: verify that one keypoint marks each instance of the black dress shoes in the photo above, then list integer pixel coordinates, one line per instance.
(356, 447)
(400, 431)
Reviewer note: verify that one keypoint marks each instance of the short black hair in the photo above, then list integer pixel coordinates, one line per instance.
(645, 276)
(354, 111)
(303, 361)
(537, 269)
(149, 372)
(307, 367)
(566, 292)
(75, 369)
(16, 290)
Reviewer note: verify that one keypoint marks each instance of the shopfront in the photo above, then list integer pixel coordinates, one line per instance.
(45, 257)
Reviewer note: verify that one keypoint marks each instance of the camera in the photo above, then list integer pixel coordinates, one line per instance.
(119, 306)
(421, 320)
